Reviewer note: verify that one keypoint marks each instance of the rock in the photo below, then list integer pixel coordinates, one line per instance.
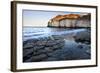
(38, 52)
(84, 37)
(51, 43)
(58, 46)
(87, 48)
(30, 41)
(70, 20)
(80, 46)
(28, 46)
(29, 60)
(56, 50)
(39, 43)
(36, 48)
(54, 42)
(48, 49)
(60, 41)
(27, 52)
(39, 57)
(28, 56)
(49, 54)
(39, 48)
(57, 37)
(51, 59)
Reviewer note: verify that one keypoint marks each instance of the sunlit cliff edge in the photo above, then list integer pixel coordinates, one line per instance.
(70, 20)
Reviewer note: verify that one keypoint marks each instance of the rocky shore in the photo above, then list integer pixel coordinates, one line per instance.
(58, 47)
(40, 49)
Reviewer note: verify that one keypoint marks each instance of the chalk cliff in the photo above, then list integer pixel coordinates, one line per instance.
(70, 20)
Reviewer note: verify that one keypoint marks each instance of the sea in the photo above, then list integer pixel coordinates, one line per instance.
(40, 32)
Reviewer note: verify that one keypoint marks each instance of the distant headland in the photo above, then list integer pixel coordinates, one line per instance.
(70, 20)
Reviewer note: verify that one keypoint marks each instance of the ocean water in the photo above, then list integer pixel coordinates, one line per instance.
(31, 32)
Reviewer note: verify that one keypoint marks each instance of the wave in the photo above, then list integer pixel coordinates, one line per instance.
(29, 32)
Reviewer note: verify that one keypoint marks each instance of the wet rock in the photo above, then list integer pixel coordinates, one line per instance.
(48, 49)
(29, 60)
(56, 48)
(27, 52)
(38, 52)
(39, 43)
(49, 54)
(60, 46)
(39, 48)
(30, 41)
(51, 59)
(60, 41)
(54, 42)
(87, 48)
(36, 48)
(39, 57)
(27, 57)
(57, 37)
(84, 37)
(80, 46)
(51, 43)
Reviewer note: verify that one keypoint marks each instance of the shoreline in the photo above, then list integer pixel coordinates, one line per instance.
(37, 35)
(57, 47)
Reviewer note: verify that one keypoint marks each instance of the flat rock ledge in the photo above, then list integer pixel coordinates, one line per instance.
(35, 50)
(57, 47)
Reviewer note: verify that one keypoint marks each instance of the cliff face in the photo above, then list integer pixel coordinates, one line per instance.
(70, 20)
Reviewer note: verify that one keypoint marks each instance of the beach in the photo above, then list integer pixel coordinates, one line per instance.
(56, 44)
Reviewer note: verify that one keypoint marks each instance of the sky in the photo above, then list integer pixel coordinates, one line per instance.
(40, 18)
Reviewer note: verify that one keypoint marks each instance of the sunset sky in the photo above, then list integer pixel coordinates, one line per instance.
(40, 18)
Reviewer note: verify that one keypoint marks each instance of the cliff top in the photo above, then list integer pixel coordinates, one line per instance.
(71, 16)
(67, 16)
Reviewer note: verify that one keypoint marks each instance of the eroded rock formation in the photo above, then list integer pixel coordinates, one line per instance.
(70, 20)
(35, 50)
(57, 48)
